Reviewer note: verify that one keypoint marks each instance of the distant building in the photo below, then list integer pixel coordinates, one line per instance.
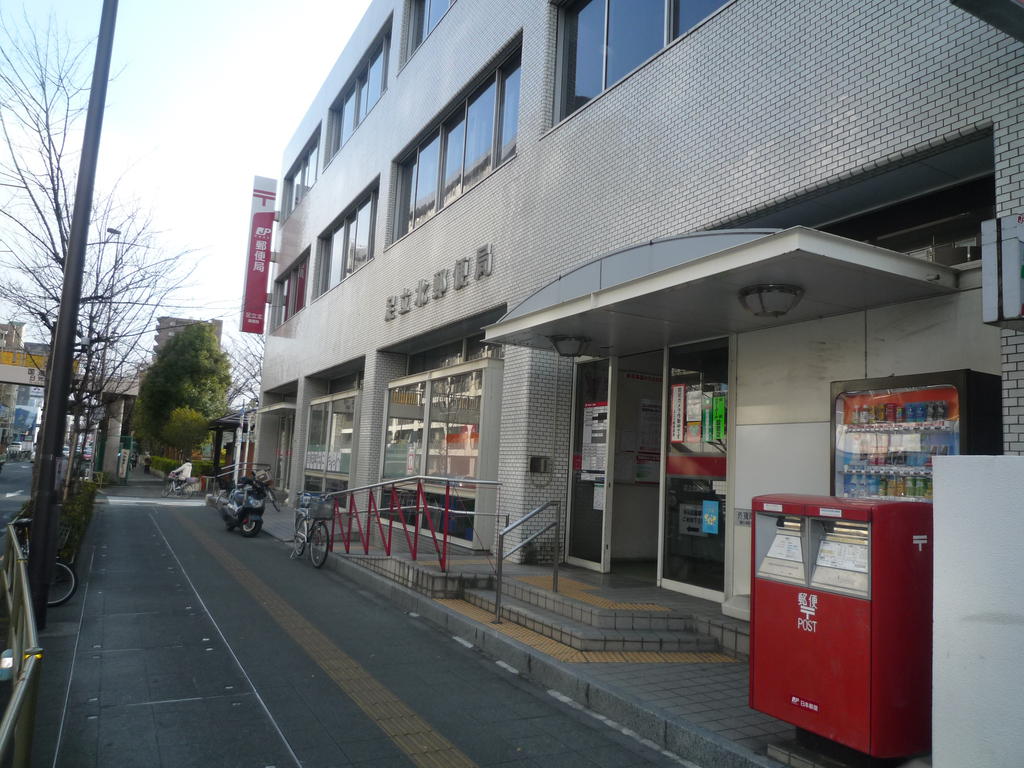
(11, 335)
(167, 327)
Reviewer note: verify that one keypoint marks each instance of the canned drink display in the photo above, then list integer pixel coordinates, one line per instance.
(900, 413)
(890, 411)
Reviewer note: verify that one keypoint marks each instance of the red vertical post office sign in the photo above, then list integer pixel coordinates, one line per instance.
(257, 266)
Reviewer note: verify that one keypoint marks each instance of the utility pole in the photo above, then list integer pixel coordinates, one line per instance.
(46, 492)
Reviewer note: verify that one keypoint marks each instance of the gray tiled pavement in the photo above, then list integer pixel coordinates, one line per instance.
(662, 701)
(698, 710)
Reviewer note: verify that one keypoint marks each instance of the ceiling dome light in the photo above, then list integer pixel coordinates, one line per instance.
(770, 299)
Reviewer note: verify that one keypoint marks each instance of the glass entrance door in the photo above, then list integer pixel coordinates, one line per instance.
(695, 467)
(588, 505)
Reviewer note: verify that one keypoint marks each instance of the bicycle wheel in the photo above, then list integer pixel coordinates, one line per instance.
(63, 584)
(167, 489)
(318, 541)
(299, 537)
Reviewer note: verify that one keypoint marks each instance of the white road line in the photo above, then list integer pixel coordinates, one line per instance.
(117, 501)
(621, 729)
(460, 641)
(13, 493)
(227, 645)
(507, 667)
(74, 655)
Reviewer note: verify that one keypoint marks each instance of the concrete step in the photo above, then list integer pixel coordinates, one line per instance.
(625, 616)
(586, 637)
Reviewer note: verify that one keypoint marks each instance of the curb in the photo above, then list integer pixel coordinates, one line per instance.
(687, 740)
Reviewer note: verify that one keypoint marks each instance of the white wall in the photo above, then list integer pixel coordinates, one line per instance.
(782, 440)
(978, 677)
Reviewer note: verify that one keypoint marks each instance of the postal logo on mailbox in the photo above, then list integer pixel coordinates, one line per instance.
(808, 604)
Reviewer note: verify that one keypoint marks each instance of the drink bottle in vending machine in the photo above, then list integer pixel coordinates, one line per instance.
(887, 431)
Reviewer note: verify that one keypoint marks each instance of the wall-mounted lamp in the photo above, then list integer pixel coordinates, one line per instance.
(770, 299)
(569, 346)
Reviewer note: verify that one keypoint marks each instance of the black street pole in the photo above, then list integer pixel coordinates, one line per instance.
(46, 493)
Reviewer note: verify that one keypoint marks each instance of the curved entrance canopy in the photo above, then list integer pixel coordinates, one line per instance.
(686, 288)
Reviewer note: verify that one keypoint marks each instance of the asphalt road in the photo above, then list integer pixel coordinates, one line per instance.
(15, 484)
(187, 645)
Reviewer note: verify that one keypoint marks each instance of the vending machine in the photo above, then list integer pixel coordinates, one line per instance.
(841, 619)
(887, 431)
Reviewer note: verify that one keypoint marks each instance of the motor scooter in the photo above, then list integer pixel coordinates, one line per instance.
(242, 508)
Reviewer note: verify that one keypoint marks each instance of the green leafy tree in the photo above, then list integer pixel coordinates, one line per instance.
(190, 371)
(186, 429)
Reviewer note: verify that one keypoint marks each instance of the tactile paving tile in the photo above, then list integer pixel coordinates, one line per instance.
(563, 652)
(577, 590)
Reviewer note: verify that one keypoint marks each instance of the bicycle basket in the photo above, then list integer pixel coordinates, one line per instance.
(320, 508)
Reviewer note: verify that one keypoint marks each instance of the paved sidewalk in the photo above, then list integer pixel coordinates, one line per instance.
(697, 710)
(140, 485)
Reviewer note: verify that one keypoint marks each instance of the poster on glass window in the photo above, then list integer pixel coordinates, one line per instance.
(595, 440)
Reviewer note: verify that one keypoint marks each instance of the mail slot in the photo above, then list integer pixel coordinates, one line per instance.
(841, 619)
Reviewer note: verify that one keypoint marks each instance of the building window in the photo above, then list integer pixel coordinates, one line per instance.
(361, 92)
(423, 17)
(602, 41)
(474, 138)
(347, 245)
(330, 446)
(463, 350)
(290, 291)
(437, 426)
(303, 175)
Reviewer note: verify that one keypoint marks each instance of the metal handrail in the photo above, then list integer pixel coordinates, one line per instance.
(453, 481)
(18, 720)
(345, 512)
(502, 554)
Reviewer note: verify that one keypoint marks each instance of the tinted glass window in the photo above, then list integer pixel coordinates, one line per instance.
(313, 167)
(426, 181)
(361, 241)
(687, 13)
(406, 198)
(479, 136)
(437, 10)
(584, 54)
(348, 117)
(636, 31)
(509, 112)
(454, 144)
(375, 80)
(337, 257)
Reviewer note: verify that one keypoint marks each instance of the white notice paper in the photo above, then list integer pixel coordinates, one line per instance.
(842, 555)
(787, 547)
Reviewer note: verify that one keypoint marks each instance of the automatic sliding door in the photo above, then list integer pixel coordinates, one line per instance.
(696, 456)
(590, 463)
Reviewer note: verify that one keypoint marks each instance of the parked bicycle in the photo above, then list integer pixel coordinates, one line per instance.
(63, 579)
(311, 529)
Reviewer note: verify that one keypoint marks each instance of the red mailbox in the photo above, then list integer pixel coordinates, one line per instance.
(841, 619)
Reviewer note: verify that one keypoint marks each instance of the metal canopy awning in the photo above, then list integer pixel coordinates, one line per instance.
(276, 409)
(686, 289)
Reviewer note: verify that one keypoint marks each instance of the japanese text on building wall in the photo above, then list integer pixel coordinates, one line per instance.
(465, 270)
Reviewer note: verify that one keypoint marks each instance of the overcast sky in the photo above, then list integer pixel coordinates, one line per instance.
(205, 95)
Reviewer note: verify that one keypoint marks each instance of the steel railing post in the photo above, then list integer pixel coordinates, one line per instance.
(497, 579)
(558, 548)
